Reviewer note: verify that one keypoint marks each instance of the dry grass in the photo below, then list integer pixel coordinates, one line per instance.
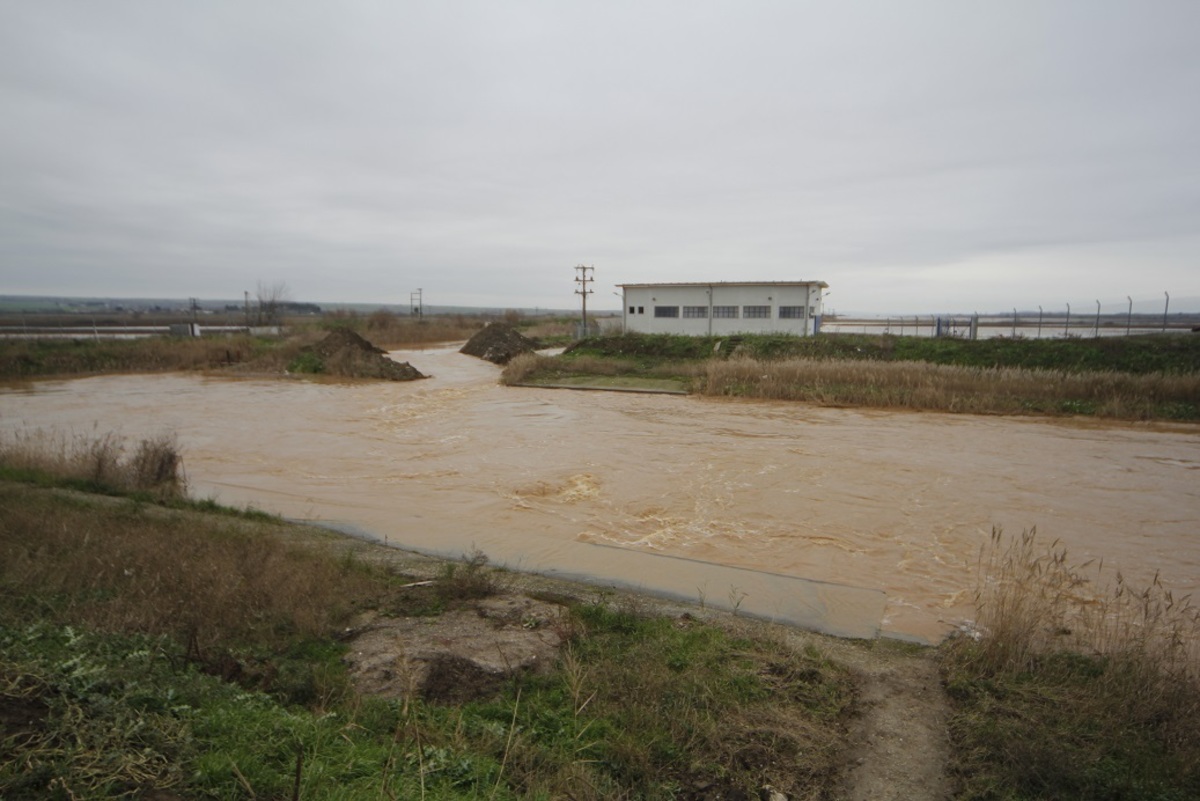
(389, 330)
(153, 466)
(933, 387)
(1074, 683)
(141, 569)
(1031, 599)
(524, 365)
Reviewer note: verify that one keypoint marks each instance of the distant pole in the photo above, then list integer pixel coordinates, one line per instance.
(246, 295)
(1039, 322)
(1129, 316)
(1014, 334)
(1096, 332)
(1166, 306)
(582, 290)
(1067, 324)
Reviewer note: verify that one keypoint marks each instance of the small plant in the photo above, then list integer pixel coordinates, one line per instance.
(470, 579)
(307, 362)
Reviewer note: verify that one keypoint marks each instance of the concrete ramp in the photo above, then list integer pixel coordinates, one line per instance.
(836, 609)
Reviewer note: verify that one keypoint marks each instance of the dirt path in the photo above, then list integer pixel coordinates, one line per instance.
(899, 745)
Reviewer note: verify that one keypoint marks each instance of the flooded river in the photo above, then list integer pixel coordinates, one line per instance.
(884, 512)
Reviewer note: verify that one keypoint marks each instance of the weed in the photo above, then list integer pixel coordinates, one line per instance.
(469, 579)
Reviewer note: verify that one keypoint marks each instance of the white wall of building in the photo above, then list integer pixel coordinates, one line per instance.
(720, 309)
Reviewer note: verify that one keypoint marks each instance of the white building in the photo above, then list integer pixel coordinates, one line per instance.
(726, 307)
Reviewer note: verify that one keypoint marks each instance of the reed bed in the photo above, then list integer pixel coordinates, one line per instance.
(104, 462)
(1074, 684)
(934, 387)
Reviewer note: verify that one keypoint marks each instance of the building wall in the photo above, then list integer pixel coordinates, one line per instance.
(702, 309)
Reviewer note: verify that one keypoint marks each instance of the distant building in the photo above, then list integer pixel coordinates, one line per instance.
(725, 307)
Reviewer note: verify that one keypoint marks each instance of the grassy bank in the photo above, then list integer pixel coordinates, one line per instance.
(1136, 378)
(38, 358)
(1073, 687)
(1176, 354)
(146, 649)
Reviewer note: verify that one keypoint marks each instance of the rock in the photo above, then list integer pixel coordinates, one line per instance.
(498, 343)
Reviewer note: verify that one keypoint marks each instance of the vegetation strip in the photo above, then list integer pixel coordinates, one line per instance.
(1143, 378)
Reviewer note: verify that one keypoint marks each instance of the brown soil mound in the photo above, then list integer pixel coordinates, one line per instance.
(498, 343)
(341, 339)
(345, 353)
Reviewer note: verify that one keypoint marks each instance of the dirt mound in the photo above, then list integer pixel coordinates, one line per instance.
(345, 353)
(342, 339)
(498, 343)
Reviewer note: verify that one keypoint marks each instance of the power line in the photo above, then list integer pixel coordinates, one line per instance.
(582, 290)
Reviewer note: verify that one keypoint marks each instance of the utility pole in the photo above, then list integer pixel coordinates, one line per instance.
(583, 280)
(418, 304)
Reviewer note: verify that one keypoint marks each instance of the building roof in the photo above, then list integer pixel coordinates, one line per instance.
(821, 284)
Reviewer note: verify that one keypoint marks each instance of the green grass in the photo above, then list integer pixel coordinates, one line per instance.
(148, 648)
(22, 359)
(1177, 354)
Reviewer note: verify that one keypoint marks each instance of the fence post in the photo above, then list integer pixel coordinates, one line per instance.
(1129, 316)
(1096, 332)
(1067, 324)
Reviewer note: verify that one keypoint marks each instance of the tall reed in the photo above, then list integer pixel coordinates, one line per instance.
(153, 465)
(1074, 684)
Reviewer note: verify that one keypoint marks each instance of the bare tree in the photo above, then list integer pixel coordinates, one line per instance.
(270, 302)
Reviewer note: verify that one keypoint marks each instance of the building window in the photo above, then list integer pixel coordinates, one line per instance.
(695, 312)
(726, 312)
(631, 310)
(791, 312)
(756, 312)
(641, 309)
(666, 311)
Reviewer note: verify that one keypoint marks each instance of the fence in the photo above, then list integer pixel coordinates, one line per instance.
(1135, 318)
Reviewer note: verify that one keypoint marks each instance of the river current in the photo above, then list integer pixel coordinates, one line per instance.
(888, 505)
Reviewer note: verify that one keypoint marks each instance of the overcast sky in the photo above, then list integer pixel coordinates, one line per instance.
(918, 156)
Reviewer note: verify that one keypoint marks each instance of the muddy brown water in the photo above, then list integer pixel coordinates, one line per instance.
(895, 504)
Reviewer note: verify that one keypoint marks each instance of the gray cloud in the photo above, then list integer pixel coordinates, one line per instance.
(917, 156)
